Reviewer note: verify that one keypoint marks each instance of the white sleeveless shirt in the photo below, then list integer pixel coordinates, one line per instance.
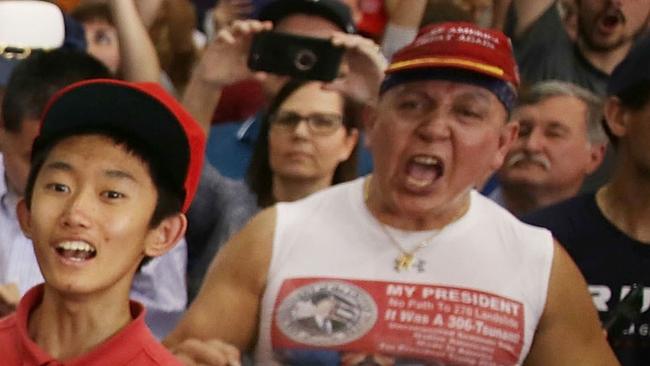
(473, 297)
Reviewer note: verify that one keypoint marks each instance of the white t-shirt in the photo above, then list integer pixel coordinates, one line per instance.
(474, 294)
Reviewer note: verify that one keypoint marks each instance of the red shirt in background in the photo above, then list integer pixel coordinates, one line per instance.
(239, 101)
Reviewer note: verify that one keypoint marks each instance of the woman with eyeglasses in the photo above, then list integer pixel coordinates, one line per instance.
(307, 142)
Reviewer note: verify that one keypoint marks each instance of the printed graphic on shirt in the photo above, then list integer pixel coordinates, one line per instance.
(627, 319)
(355, 322)
(327, 313)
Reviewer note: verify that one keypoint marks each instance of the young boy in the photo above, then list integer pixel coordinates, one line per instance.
(114, 168)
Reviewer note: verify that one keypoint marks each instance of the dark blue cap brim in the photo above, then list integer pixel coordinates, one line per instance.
(504, 92)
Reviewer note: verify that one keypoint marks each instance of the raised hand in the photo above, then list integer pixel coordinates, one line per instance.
(224, 61)
(362, 69)
(227, 11)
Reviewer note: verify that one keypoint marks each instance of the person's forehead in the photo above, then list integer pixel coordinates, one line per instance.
(90, 145)
(313, 95)
(98, 23)
(630, 7)
(80, 152)
(307, 25)
(555, 107)
(444, 88)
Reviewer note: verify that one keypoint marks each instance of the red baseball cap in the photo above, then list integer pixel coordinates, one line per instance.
(459, 45)
(143, 110)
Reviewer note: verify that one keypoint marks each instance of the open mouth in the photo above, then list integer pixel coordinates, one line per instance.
(611, 20)
(76, 251)
(423, 170)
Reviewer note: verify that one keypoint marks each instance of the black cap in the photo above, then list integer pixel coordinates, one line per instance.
(634, 69)
(142, 110)
(333, 10)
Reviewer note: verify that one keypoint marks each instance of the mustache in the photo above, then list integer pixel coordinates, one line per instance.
(523, 156)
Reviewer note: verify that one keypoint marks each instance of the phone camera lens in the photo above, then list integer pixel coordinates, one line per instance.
(305, 59)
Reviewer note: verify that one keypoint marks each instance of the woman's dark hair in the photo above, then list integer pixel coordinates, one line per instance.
(633, 98)
(170, 199)
(86, 12)
(259, 175)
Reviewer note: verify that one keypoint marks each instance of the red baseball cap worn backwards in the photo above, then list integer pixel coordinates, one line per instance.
(142, 110)
(459, 48)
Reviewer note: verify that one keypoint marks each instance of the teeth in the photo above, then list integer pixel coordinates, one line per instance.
(76, 245)
(426, 160)
(420, 183)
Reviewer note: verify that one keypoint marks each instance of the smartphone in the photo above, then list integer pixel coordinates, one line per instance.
(296, 56)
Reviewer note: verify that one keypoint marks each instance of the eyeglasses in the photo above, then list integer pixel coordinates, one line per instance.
(318, 123)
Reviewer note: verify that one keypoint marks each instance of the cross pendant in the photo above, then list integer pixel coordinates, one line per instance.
(403, 262)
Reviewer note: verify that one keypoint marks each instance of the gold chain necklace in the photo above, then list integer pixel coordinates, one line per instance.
(406, 258)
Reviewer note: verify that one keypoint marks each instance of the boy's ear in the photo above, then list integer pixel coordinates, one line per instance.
(24, 217)
(164, 237)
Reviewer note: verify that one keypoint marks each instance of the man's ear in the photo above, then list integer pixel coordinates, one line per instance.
(164, 237)
(507, 136)
(596, 156)
(24, 217)
(616, 117)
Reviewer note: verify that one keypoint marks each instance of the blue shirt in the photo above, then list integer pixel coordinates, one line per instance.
(230, 148)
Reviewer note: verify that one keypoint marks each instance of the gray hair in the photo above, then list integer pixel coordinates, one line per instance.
(543, 90)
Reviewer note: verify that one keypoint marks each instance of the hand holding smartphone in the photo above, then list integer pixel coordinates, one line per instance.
(296, 56)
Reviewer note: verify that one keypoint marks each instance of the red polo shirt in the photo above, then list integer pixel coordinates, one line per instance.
(132, 345)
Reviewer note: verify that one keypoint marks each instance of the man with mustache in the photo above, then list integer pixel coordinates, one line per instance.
(560, 142)
(606, 30)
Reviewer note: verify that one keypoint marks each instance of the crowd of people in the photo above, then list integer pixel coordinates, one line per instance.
(470, 189)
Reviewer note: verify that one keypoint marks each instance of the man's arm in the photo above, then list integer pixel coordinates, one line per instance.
(138, 58)
(227, 307)
(404, 18)
(148, 11)
(569, 331)
(223, 63)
